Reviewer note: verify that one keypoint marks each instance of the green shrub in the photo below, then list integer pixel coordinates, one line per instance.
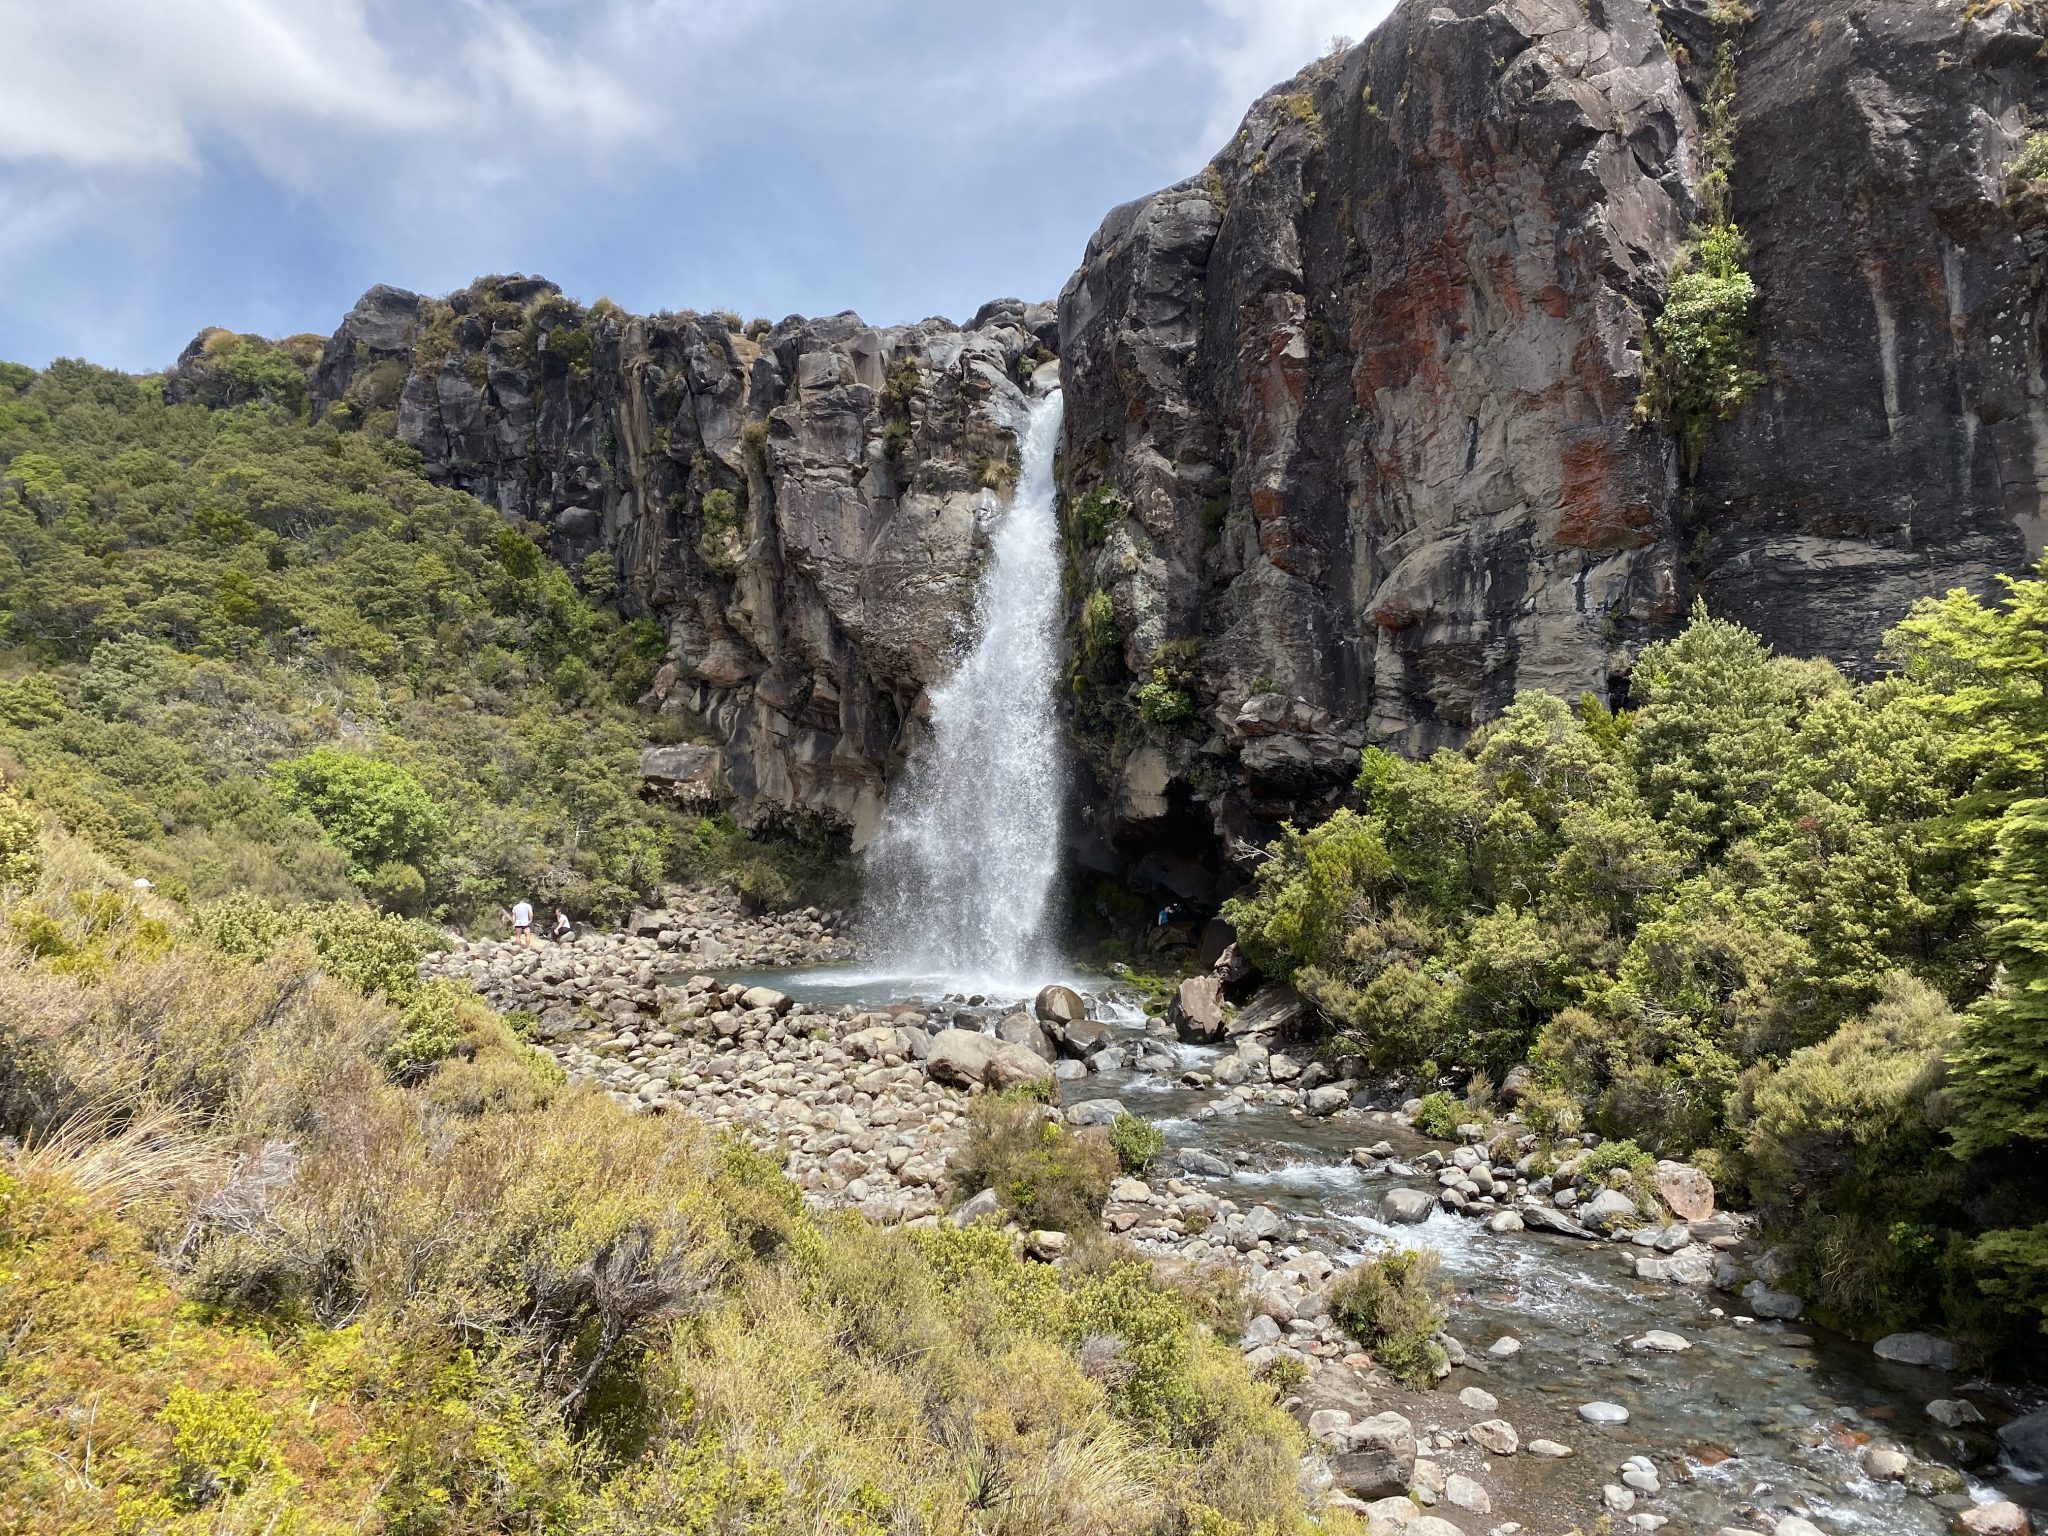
(21, 859)
(1162, 703)
(374, 811)
(1136, 1142)
(1099, 634)
(223, 1441)
(1046, 1176)
(1096, 513)
(719, 541)
(1438, 1116)
(1394, 1305)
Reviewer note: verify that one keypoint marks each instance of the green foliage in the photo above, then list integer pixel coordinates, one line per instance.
(1046, 1176)
(718, 542)
(1699, 355)
(1162, 704)
(376, 812)
(801, 863)
(329, 1300)
(21, 859)
(197, 595)
(1095, 514)
(1438, 1116)
(1099, 635)
(1394, 1305)
(1136, 1142)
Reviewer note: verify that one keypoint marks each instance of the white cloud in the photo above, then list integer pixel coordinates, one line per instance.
(140, 85)
(1266, 41)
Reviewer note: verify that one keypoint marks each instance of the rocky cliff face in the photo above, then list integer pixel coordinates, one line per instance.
(1352, 450)
(1358, 400)
(801, 506)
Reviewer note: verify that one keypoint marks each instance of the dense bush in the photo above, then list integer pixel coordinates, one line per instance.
(339, 1305)
(1136, 1142)
(1395, 1306)
(1688, 914)
(1046, 1176)
(208, 593)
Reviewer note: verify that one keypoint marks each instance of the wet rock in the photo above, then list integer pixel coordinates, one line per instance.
(1885, 1463)
(1691, 1267)
(1506, 1347)
(2025, 1441)
(1203, 1164)
(1545, 1219)
(1275, 1009)
(1197, 1010)
(1766, 1302)
(1478, 1399)
(1916, 1349)
(1323, 1102)
(1954, 1412)
(1797, 1525)
(1505, 1221)
(2003, 1518)
(1059, 1005)
(1094, 1112)
(1406, 1207)
(1549, 1449)
(1603, 1413)
(1658, 1342)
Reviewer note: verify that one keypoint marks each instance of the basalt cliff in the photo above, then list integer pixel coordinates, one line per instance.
(1353, 444)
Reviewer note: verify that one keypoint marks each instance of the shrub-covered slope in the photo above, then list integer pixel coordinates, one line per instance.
(299, 1244)
(249, 654)
(1788, 923)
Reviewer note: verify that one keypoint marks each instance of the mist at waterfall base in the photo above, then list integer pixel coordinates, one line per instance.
(960, 878)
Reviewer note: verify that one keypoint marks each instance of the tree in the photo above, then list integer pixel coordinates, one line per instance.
(375, 812)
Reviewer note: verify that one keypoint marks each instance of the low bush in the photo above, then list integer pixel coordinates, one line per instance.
(1394, 1305)
(1438, 1116)
(1046, 1176)
(1136, 1142)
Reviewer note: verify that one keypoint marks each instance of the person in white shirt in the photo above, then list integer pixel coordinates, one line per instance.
(522, 922)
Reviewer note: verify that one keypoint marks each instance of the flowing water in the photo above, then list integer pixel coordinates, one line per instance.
(961, 873)
(1757, 1415)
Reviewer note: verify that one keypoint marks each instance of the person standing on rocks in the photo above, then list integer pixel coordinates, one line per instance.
(522, 922)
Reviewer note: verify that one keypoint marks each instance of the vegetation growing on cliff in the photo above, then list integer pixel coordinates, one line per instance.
(1700, 351)
(280, 1275)
(195, 596)
(1783, 922)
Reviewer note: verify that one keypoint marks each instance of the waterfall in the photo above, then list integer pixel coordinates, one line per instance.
(960, 876)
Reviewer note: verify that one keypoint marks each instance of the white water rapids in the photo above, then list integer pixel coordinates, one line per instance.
(960, 876)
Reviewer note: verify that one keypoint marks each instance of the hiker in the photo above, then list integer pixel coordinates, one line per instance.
(563, 929)
(522, 922)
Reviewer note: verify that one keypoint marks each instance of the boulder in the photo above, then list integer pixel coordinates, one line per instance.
(1059, 1005)
(2025, 1441)
(1608, 1210)
(1406, 1207)
(1916, 1349)
(1022, 1029)
(2000, 1518)
(967, 1058)
(1094, 1112)
(1765, 1302)
(1197, 1010)
(1273, 1010)
(1495, 1436)
(765, 997)
(1323, 1102)
(1378, 1458)
(1202, 1164)
(982, 1207)
(1686, 1189)
(1954, 1412)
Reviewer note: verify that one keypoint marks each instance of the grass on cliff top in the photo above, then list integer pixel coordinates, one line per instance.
(282, 1256)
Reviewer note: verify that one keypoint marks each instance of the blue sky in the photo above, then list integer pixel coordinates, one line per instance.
(171, 164)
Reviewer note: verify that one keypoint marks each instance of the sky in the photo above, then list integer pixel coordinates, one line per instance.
(166, 165)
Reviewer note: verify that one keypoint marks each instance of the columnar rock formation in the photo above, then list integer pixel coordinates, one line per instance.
(1352, 449)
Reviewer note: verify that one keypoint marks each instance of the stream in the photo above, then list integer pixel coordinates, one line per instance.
(1756, 1416)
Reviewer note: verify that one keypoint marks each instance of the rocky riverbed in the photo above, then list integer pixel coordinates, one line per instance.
(1619, 1349)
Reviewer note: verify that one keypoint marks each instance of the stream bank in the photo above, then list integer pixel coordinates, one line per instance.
(1721, 1416)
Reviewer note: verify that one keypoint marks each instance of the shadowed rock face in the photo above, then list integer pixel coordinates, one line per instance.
(855, 464)
(1367, 382)
(1363, 392)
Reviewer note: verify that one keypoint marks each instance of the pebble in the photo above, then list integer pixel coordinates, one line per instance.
(1506, 1347)
(1603, 1413)
(1658, 1342)
(1495, 1435)
(1549, 1448)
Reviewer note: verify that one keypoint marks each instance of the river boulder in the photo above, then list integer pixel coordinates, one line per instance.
(1916, 1349)
(967, 1058)
(1196, 1013)
(1022, 1029)
(1059, 1005)
(2025, 1440)
(1686, 1189)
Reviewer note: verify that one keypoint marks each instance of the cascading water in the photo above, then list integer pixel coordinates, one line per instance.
(960, 876)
